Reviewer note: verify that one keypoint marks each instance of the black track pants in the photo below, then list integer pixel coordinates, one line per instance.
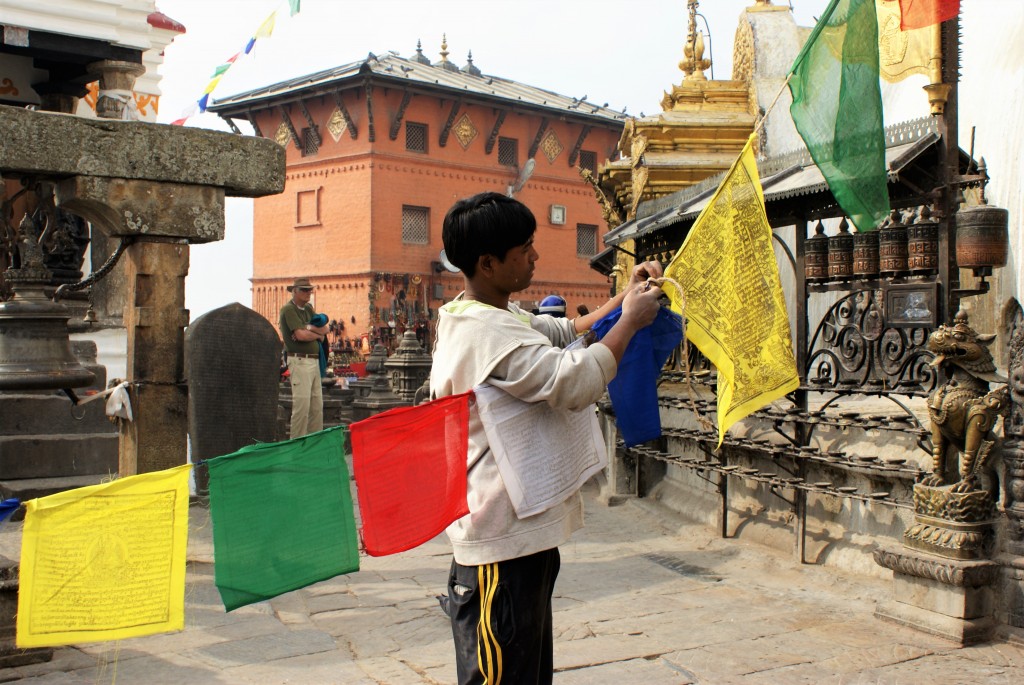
(501, 620)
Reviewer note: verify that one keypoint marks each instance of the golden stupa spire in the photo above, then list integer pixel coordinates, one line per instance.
(694, 64)
(444, 47)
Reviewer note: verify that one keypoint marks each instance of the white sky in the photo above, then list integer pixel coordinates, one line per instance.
(625, 53)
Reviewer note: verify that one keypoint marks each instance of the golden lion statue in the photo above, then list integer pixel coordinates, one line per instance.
(963, 412)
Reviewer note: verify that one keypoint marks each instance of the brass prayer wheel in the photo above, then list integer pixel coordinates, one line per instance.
(816, 255)
(923, 243)
(865, 254)
(840, 252)
(981, 236)
(892, 246)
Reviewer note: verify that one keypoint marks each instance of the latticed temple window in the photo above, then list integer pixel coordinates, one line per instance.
(415, 137)
(508, 151)
(309, 142)
(586, 240)
(588, 160)
(416, 225)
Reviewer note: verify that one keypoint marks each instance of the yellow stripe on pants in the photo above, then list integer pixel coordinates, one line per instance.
(488, 650)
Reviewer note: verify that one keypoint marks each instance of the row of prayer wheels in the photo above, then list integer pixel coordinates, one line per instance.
(905, 244)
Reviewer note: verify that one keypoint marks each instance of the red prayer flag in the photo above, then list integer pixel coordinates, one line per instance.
(917, 14)
(410, 470)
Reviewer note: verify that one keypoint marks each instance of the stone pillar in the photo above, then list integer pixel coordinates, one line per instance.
(155, 318)
(116, 79)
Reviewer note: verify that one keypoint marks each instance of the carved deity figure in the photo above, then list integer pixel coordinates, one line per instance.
(964, 411)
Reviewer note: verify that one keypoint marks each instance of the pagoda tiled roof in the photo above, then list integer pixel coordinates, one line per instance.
(391, 70)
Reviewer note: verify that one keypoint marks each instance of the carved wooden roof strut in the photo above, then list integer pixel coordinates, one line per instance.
(314, 129)
(231, 124)
(397, 123)
(371, 132)
(494, 132)
(291, 129)
(536, 140)
(349, 124)
(443, 139)
(579, 144)
(255, 126)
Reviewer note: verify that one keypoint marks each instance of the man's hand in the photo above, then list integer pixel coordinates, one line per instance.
(639, 308)
(641, 305)
(643, 271)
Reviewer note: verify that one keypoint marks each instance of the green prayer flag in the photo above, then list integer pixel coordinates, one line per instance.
(282, 517)
(837, 109)
(293, 6)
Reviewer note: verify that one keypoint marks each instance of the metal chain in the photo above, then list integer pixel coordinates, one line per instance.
(99, 273)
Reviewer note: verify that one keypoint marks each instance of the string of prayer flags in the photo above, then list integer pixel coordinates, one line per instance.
(837, 109)
(634, 390)
(735, 308)
(282, 517)
(265, 30)
(410, 468)
(105, 562)
(920, 13)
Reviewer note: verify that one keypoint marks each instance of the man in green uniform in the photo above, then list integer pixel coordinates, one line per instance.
(302, 346)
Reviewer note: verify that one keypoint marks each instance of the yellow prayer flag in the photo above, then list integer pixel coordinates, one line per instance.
(105, 562)
(905, 53)
(213, 84)
(735, 308)
(267, 27)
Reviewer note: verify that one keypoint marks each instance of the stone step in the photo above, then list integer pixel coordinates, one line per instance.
(43, 414)
(31, 488)
(56, 456)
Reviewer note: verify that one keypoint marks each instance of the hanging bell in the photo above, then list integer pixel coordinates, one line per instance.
(35, 351)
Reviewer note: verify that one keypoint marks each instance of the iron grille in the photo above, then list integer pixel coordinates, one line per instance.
(415, 225)
(415, 137)
(508, 152)
(310, 143)
(588, 160)
(586, 240)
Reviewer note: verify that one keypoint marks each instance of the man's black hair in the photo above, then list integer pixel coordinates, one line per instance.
(486, 223)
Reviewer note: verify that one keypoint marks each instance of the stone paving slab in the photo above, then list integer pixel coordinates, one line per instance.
(643, 597)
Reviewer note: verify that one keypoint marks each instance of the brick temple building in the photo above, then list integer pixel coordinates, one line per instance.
(379, 149)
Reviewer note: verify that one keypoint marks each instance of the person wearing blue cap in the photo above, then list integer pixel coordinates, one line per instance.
(302, 346)
(552, 305)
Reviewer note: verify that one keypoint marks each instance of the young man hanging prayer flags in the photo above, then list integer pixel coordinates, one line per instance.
(504, 570)
(837, 109)
(735, 309)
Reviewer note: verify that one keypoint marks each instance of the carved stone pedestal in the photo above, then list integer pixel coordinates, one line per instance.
(942, 584)
(954, 525)
(946, 597)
